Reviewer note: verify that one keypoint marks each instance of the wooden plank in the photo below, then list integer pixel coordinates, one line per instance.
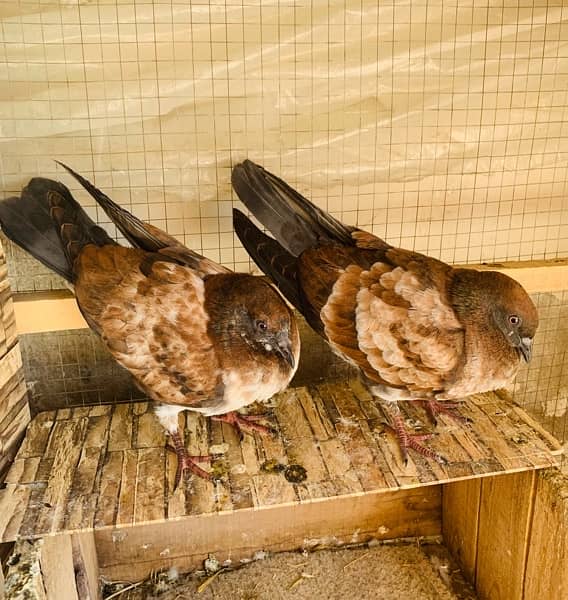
(321, 426)
(24, 580)
(105, 480)
(14, 501)
(460, 522)
(127, 490)
(546, 575)
(66, 447)
(56, 561)
(149, 432)
(86, 566)
(23, 470)
(149, 504)
(504, 526)
(534, 275)
(240, 489)
(81, 506)
(12, 436)
(10, 364)
(30, 308)
(186, 543)
(30, 311)
(109, 486)
(120, 435)
(97, 431)
(200, 495)
(339, 467)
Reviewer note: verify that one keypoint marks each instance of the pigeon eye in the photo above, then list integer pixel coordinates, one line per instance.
(261, 325)
(514, 320)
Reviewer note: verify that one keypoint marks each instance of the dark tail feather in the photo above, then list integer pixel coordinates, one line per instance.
(294, 221)
(139, 234)
(48, 222)
(269, 255)
(144, 235)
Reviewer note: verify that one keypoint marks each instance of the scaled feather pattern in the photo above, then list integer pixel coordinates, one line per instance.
(194, 334)
(416, 328)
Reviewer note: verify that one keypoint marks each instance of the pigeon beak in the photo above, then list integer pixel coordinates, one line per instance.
(525, 348)
(284, 348)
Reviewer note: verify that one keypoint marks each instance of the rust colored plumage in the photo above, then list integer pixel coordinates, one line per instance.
(415, 327)
(194, 334)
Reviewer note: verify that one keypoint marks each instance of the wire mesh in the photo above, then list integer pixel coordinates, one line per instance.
(440, 125)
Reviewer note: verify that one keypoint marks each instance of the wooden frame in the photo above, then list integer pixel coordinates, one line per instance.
(510, 534)
(31, 308)
(97, 484)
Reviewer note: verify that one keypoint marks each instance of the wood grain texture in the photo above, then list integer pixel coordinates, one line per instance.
(546, 576)
(460, 522)
(25, 579)
(14, 410)
(56, 561)
(132, 553)
(504, 526)
(86, 566)
(30, 309)
(83, 469)
(8, 334)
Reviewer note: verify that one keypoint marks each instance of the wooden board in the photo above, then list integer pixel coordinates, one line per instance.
(504, 524)
(131, 553)
(546, 573)
(102, 469)
(14, 411)
(510, 534)
(30, 308)
(460, 522)
(8, 334)
(55, 567)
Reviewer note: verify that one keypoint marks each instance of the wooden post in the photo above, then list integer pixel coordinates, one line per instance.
(546, 575)
(510, 534)
(63, 566)
(460, 522)
(14, 409)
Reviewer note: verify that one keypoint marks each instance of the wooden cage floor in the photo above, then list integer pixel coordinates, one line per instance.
(107, 466)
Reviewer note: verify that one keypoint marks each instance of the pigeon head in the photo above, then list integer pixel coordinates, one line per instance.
(514, 313)
(267, 324)
(492, 298)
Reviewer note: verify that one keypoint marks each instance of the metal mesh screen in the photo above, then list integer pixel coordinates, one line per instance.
(437, 124)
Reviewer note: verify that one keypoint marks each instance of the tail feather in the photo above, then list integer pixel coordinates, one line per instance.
(295, 222)
(144, 235)
(139, 234)
(48, 222)
(270, 256)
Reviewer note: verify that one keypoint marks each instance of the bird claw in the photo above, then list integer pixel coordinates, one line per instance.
(248, 423)
(186, 463)
(434, 408)
(408, 440)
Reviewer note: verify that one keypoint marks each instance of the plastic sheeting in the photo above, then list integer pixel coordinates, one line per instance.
(439, 125)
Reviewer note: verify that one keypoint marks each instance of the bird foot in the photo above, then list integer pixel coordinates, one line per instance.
(408, 440)
(434, 408)
(186, 463)
(243, 423)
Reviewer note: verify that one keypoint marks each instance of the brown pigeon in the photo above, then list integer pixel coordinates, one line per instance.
(195, 335)
(415, 327)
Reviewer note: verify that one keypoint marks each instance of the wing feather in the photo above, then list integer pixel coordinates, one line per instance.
(154, 324)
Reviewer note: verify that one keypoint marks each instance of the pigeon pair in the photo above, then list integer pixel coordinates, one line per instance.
(199, 337)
